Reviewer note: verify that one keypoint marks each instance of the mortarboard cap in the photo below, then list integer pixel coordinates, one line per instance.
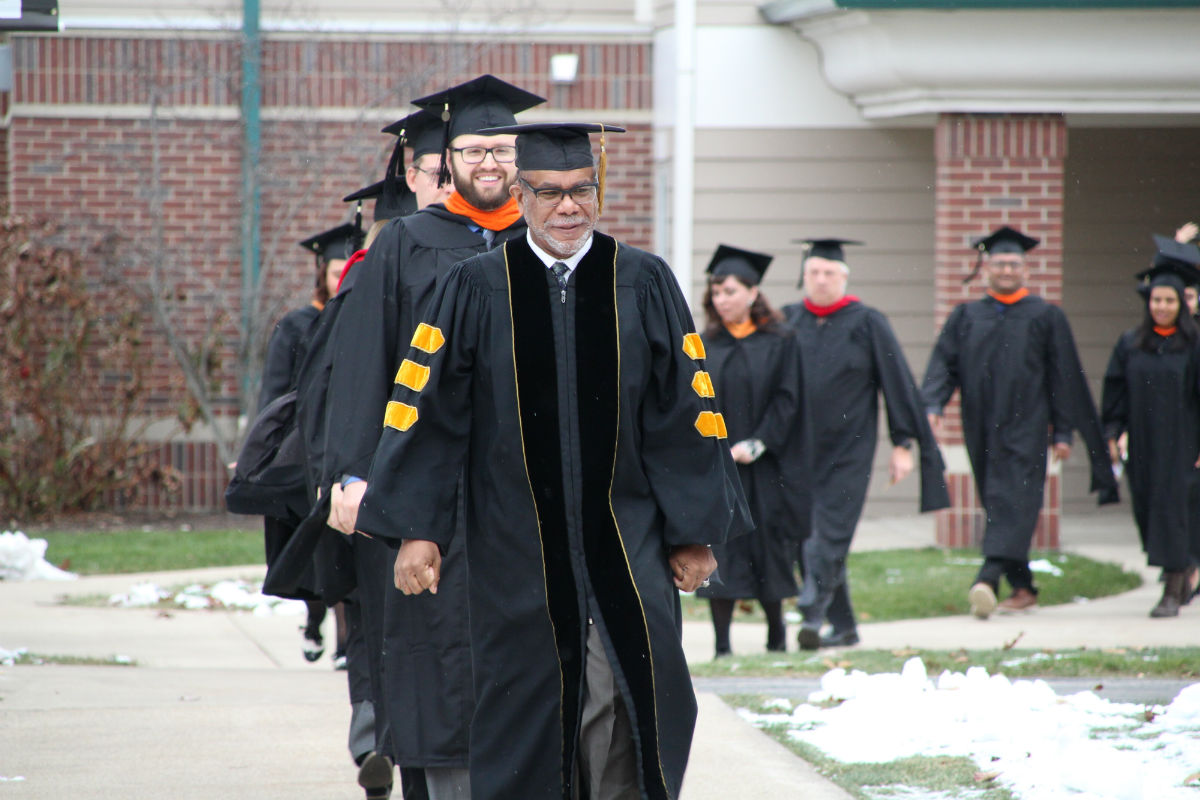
(560, 147)
(746, 265)
(1176, 258)
(422, 132)
(386, 207)
(1005, 240)
(825, 248)
(339, 242)
(485, 102)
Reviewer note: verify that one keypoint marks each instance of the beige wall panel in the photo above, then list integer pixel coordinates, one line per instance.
(762, 188)
(1121, 185)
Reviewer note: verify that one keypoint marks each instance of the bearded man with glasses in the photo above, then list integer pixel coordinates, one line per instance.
(427, 679)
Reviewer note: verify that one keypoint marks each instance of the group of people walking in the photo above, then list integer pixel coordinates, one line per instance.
(517, 451)
(1012, 360)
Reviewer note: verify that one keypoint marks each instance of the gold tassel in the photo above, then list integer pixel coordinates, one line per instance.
(603, 170)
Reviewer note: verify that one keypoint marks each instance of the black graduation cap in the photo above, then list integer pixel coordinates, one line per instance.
(1005, 240)
(485, 102)
(422, 131)
(339, 242)
(1174, 258)
(825, 248)
(560, 147)
(746, 265)
(1002, 240)
(386, 206)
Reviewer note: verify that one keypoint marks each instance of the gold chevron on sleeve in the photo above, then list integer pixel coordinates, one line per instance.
(400, 416)
(703, 385)
(428, 338)
(412, 375)
(693, 346)
(712, 425)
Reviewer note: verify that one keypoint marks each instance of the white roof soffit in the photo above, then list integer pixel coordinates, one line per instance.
(908, 62)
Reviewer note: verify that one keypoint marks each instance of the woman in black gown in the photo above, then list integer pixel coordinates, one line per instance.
(754, 363)
(1152, 392)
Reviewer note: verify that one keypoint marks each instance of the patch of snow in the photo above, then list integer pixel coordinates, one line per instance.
(233, 594)
(1044, 746)
(1043, 565)
(23, 559)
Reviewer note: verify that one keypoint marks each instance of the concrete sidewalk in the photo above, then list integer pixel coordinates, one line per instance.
(222, 705)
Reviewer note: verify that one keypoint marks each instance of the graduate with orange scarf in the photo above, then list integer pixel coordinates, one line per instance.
(428, 658)
(1012, 357)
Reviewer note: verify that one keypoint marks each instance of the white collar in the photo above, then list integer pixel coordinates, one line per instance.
(549, 260)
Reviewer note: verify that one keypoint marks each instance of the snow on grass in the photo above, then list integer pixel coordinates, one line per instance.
(1044, 747)
(229, 594)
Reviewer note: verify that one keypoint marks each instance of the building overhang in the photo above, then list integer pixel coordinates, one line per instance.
(900, 58)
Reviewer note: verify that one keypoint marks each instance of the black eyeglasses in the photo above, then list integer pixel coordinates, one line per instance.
(504, 154)
(581, 194)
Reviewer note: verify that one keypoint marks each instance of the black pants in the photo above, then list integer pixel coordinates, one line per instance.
(1014, 569)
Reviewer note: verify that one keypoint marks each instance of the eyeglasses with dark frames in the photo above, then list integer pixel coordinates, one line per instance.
(581, 194)
(504, 154)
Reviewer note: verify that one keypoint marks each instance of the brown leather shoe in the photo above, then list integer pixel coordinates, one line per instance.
(1020, 600)
(982, 598)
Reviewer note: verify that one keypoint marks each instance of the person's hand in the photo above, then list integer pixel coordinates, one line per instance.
(343, 506)
(418, 567)
(1123, 445)
(1187, 231)
(1060, 452)
(1114, 451)
(741, 453)
(935, 424)
(691, 564)
(900, 465)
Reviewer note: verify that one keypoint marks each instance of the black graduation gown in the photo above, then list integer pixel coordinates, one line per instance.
(591, 447)
(758, 381)
(1019, 377)
(1155, 396)
(285, 352)
(850, 356)
(423, 641)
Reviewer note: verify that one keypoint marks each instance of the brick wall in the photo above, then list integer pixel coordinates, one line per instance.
(81, 146)
(994, 170)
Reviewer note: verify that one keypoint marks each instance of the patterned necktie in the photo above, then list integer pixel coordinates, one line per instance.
(560, 271)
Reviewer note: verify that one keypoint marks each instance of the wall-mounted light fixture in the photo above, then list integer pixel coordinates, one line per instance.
(564, 67)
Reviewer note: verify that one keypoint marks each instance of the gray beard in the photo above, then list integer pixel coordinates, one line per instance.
(568, 248)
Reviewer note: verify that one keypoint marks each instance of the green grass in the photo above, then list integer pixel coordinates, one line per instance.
(933, 582)
(1154, 662)
(112, 552)
(956, 775)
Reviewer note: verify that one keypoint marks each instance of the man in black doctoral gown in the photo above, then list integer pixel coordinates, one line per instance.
(561, 375)
(850, 355)
(1013, 359)
(424, 646)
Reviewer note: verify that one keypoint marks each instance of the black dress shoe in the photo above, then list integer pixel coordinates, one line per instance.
(842, 639)
(809, 638)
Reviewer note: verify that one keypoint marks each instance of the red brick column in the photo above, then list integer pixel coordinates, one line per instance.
(993, 170)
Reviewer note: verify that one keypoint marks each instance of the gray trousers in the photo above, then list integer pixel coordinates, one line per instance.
(448, 783)
(606, 763)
